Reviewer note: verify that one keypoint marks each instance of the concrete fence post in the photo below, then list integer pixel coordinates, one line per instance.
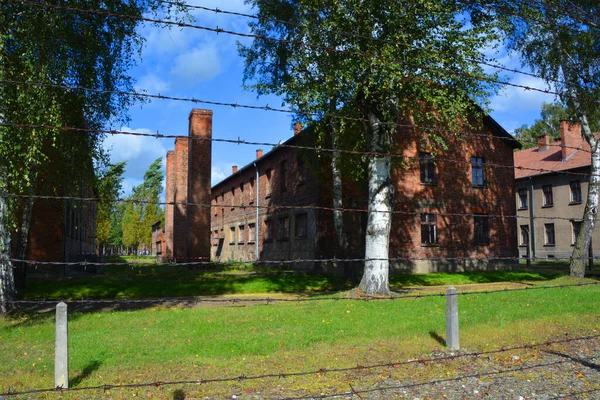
(452, 318)
(61, 350)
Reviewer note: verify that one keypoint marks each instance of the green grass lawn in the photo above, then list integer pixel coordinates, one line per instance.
(159, 280)
(161, 343)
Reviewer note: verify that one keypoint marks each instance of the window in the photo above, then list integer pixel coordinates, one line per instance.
(251, 194)
(301, 170)
(549, 235)
(301, 228)
(283, 175)
(232, 237)
(268, 174)
(232, 198)
(242, 193)
(575, 192)
(481, 229)
(241, 234)
(216, 238)
(477, 171)
(268, 230)
(428, 228)
(548, 200)
(524, 235)
(216, 202)
(251, 233)
(427, 168)
(576, 227)
(523, 199)
(284, 228)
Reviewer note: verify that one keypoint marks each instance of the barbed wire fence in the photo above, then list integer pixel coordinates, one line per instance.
(279, 207)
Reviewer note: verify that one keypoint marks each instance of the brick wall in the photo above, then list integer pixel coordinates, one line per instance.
(187, 237)
(169, 209)
(284, 180)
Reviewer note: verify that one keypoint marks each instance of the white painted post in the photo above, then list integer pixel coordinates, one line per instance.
(61, 350)
(452, 319)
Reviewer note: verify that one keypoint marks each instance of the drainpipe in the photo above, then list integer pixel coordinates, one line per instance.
(256, 225)
(531, 218)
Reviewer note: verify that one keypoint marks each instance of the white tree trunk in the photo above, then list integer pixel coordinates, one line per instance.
(375, 278)
(7, 281)
(584, 238)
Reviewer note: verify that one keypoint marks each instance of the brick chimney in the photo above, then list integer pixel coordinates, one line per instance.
(258, 153)
(570, 137)
(543, 142)
(297, 128)
(234, 169)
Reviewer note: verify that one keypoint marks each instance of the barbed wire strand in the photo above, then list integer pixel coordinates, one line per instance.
(367, 153)
(277, 208)
(274, 300)
(427, 383)
(238, 141)
(218, 30)
(185, 261)
(218, 10)
(282, 375)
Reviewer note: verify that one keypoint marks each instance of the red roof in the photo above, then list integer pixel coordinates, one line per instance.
(531, 162)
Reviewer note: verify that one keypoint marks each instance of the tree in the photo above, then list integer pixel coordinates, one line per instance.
(109, 186)
(383, 62)
(561, 45)
(116, 228)
(552, 114)
(143, 210)
(49, 45)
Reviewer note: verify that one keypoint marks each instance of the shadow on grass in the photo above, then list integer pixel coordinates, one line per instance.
(435, 336)
(582, 361)
(471, 277)
(85, 372)
(177, 281)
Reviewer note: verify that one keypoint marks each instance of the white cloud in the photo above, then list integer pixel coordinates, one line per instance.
(198, 65)
(151, 83)
(518, 98)
(219, 172)
(138, 151)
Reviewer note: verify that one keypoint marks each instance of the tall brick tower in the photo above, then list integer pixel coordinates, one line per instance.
(187, 227)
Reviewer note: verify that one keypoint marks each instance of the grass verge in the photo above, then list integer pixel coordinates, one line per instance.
(172, 344)
(118, 282)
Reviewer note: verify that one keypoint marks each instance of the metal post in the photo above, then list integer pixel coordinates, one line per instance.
(452, 340)
(256, 224)
(61, 351)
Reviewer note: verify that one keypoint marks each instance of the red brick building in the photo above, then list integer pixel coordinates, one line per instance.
(445, 204)
(187, 223)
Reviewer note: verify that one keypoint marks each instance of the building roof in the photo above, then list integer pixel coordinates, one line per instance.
(536, 161)
(488, 121)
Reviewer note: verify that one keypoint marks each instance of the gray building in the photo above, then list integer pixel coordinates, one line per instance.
(551, 183)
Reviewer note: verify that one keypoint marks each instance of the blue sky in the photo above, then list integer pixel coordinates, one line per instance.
(204, 65)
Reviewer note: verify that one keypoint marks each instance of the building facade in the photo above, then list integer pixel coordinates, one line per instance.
(551, 191)
(452, 211)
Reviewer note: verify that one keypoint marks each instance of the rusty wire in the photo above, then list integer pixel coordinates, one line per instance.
(318, 149)
(283, 375)
(275, 207)
(272, 300)
(218, 10)
(218, 30)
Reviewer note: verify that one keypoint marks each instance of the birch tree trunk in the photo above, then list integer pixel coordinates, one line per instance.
(338, 205)
(584, 238)
(7, 281)
(23, 238)
(375, 278)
